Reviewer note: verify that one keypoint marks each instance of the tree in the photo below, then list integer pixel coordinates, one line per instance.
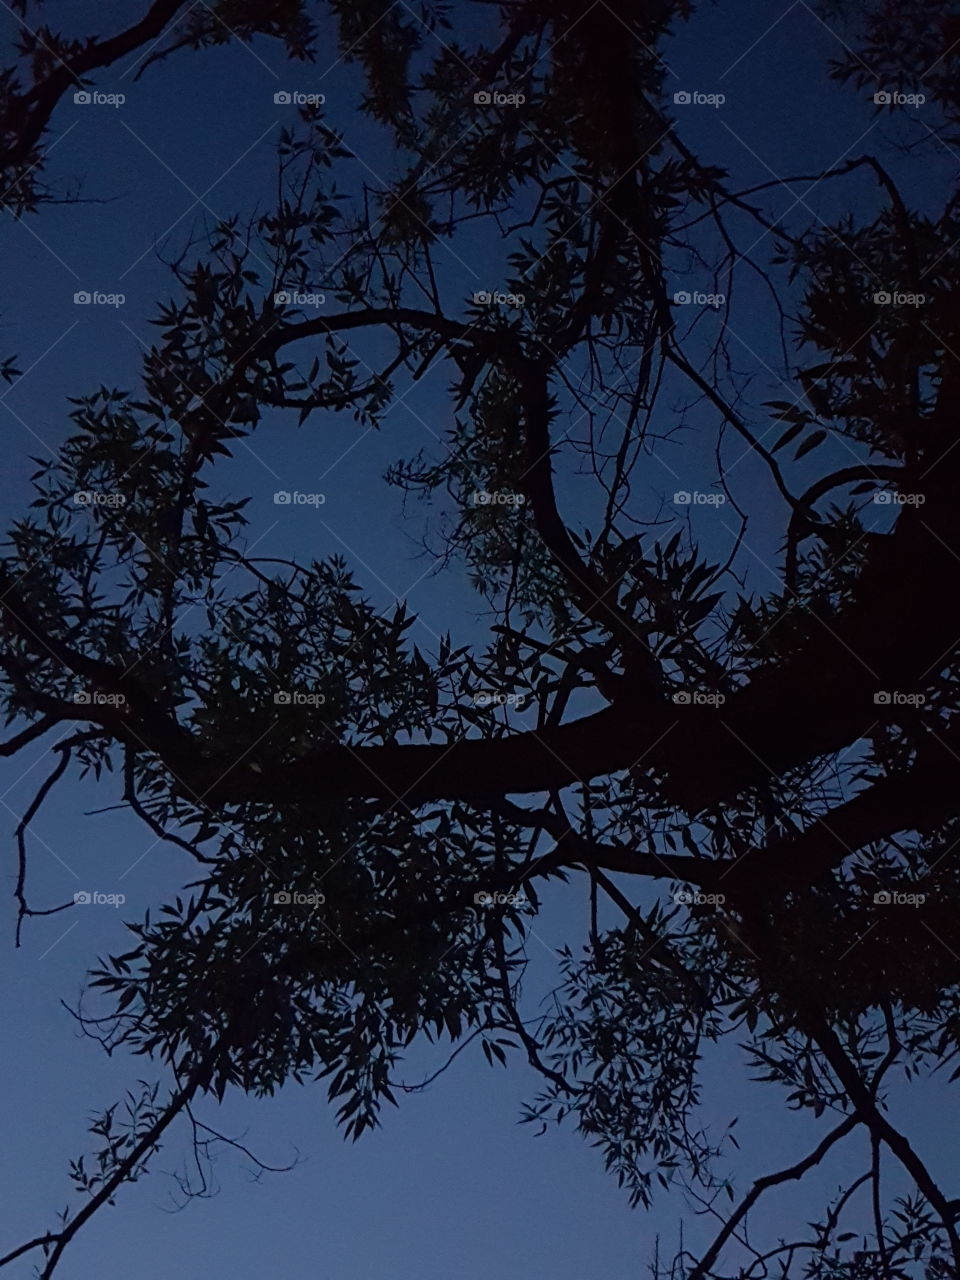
(753, 788)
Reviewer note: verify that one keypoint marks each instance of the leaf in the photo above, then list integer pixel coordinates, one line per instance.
(791, 433)
(810, 444)
(700, 609)
(671, 547)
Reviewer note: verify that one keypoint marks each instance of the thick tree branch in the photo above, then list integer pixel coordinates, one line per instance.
(25, 736)
(918, 799)
(29, 114)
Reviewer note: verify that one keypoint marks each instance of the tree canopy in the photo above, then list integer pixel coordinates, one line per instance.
(746, 771)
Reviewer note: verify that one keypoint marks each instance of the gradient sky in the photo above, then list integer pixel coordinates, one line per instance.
(451, 1186)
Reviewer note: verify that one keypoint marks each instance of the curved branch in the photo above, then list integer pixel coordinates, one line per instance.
(869, 1113)
(28, 735)
(920, 798)
(801, 525)
(23, 910)
(793, 1173)
(29, 114)
(197, 1080)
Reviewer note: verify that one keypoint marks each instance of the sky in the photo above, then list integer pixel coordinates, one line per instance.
(451, 1186)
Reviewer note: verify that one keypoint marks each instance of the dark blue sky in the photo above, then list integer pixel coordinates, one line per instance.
(451, 1186)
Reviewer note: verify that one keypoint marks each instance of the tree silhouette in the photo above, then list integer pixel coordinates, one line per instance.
(752, 788)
